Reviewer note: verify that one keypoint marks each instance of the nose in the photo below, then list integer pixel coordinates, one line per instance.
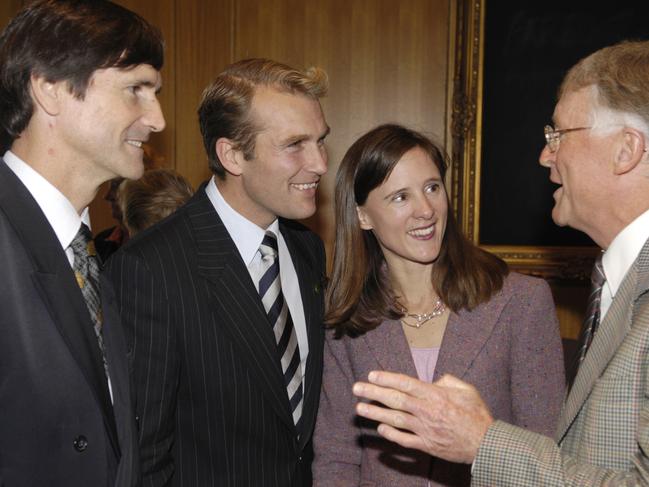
(424, 208)
(318, 160)
(153, 118)
(546, 159)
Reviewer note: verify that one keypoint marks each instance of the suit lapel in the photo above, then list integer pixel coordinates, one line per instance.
(465, 335)
(311, 291)
(236, 304)
(55, 281)
(390, 347)
(606, 342)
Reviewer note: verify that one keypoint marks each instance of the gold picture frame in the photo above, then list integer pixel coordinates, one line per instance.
(467, 61)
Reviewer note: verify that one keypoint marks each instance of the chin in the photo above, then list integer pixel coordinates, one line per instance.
(299, 213)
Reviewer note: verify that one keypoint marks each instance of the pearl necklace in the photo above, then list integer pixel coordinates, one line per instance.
(422, 319)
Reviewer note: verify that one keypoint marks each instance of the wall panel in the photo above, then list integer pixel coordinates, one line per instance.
(203, 49)
(8, 9)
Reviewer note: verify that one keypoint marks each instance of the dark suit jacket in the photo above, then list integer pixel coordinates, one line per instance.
(211, 399)
(508, 348)
(57, 424)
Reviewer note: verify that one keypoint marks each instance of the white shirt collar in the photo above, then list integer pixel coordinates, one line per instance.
(624, 250)
(58, 210)
(247, 236)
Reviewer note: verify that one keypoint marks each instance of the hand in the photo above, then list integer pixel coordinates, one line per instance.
(447, 419)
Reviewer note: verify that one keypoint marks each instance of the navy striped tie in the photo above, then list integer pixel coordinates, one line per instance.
(270, 290)
(597, 280)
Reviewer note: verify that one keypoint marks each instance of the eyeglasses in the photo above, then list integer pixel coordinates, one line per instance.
(553, 137)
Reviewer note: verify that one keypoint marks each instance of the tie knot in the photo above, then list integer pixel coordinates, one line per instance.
(268, 247)
(81, 242)
(598, 278)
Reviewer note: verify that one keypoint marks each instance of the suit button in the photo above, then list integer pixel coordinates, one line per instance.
(80, 443)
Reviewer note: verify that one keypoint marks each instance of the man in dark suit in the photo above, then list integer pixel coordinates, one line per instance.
(598, 154)
(223, 300)
(78, 82)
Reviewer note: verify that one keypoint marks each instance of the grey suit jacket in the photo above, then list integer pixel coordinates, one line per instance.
(57, 424)
(211, 399)
(603, 433)
(509, 348)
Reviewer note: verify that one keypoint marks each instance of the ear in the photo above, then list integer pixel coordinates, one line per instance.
(364, 219)
(230, 157)
(47, 94)
(630, 152)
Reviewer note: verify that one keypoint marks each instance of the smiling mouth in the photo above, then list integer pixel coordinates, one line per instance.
(135, 143)
(305, 186)
(422, 232)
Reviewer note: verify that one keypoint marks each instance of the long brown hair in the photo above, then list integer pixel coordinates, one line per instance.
(359, 296)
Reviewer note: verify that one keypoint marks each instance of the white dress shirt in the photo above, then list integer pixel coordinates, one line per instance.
(60, 214)
(620, 255)
(247, 237)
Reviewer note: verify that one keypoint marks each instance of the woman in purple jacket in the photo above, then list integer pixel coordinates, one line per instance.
(410, 294)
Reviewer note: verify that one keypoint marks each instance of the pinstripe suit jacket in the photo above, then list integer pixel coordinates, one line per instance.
(211, 400)
(603, 432)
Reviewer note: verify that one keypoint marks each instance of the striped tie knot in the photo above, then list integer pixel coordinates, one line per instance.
(268, 247)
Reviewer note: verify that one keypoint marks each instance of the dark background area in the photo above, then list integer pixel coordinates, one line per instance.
(528, 49)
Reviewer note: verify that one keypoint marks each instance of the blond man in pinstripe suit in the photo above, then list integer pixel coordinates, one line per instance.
(597, 152)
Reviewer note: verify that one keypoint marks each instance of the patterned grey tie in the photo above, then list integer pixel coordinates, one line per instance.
(270, 290)
(86, 270)
(597, 280)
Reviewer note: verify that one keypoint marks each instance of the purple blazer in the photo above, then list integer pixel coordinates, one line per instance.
(509, 348)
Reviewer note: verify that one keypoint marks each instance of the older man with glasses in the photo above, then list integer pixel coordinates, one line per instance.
(598, 157)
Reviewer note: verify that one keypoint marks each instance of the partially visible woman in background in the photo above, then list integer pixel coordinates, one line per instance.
(156, 195)
(409, 293)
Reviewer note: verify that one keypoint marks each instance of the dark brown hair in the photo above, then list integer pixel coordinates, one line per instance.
(359, 295)
(156, 195)
(225, 106)
(67, 40)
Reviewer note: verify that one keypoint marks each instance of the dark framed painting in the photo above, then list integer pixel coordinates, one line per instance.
(509, 58)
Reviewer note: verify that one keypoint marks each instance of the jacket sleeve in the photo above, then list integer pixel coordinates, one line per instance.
(510, 456)
(146, 315)
(537, 375)
(337, 451)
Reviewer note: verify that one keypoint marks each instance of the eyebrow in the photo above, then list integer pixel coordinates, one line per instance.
(298, 137)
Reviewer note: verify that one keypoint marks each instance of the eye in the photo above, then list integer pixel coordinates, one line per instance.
(399, 197)
(433, 188)
(295, 144)
(134, 89)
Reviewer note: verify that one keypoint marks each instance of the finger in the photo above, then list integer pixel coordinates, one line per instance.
(449, 380)
(399, 382)
(403, 438)
(398, 419)
(390, 397)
